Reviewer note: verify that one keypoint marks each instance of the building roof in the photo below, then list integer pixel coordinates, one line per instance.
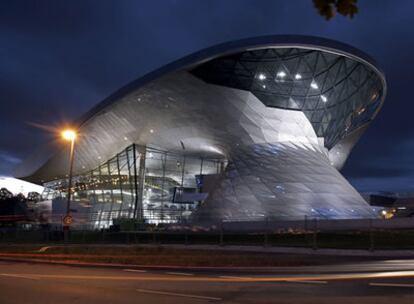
(236, 46)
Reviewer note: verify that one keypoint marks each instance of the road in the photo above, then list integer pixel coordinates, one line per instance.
(376, 282)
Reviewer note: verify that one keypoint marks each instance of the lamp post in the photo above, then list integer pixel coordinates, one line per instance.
(69, 135)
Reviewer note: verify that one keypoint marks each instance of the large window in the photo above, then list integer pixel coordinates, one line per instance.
(139, 182)
(337, 94)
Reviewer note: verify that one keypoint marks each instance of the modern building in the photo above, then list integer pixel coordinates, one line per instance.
(16, 186)
(246, 130)
(391, 204)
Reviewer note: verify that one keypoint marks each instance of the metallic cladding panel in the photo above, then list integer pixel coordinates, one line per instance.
(278, 167)
(282, 181)
(176, 110)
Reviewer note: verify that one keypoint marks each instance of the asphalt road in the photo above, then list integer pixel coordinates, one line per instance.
(393, 282)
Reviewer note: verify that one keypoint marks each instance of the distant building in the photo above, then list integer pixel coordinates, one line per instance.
(16, 186)
(17, 201)
(392, 204)
(245, 130)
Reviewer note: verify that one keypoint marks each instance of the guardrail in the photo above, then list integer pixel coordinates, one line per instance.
(369, 234)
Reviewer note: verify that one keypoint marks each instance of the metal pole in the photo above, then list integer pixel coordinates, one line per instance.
(306, 223)
(164, 166)
(315, 234)
(371, 236)
(72, 152)
(121, 208)
(266, 232)
(182, 188)
(71, 157)
(134, 155)
(221, 234)
(141, 182)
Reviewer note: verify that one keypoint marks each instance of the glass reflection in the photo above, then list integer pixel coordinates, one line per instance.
(167, 189)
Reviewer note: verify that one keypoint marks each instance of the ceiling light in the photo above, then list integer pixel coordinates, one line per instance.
(298, 76)
(281, 74)
(361, 111)
(264, 87)
(324, 99)
(314, 85)
(262, 76)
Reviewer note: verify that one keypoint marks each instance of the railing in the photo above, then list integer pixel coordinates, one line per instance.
(369, 234)
(181, 220)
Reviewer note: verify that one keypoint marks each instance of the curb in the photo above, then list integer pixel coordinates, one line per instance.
(308, 269)
(380, 253)
(147, 267)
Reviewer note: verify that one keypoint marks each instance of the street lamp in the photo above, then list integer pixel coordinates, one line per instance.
(69, 135)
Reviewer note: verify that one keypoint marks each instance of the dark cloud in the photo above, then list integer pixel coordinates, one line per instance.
(59, 58)
(7, 161)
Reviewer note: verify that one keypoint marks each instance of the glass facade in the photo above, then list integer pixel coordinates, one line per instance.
(337, 94)
(142, 183)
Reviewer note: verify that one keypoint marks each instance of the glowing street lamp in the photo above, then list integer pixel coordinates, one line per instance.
(69, 135)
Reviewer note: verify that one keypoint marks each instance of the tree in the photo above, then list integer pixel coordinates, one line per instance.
(13, 208)
(20, 198)
(5, 194)
(34, 197)
(329, 8)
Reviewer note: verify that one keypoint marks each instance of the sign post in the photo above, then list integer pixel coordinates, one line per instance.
(66, 221)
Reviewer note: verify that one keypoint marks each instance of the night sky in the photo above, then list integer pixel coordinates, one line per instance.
(60, 58)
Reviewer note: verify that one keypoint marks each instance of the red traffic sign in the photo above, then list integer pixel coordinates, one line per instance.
(67, 220)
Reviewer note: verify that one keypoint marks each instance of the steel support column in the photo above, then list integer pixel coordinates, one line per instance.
(139, 180)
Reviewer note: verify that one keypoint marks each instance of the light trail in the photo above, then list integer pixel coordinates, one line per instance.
(228, 279)
(164, 293)
(391, 285)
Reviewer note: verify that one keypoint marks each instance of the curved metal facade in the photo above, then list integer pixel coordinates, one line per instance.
(279, 114)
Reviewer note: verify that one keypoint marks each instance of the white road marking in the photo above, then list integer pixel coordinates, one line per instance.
(309, 282)
(391, 285)
(18, 276)
(43, 249)
(180, 273)
(135, 270)
(232, 277)
(164, 293)
(143, 277)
